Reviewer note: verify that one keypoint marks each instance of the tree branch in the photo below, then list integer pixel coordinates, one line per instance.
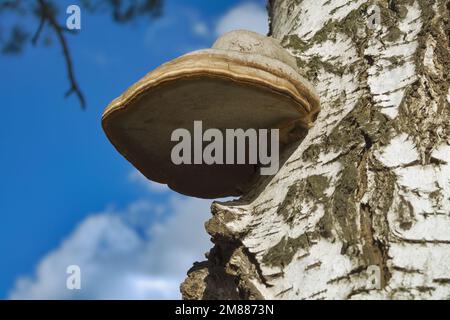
(38, 31)
(47, 15)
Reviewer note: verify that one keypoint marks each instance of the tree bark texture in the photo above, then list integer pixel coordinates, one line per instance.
(360, 209)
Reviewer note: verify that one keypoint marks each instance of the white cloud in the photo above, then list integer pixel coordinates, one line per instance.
(200, 28)
(123, 256)
(250, 16)
(185, 29)
(181, 30)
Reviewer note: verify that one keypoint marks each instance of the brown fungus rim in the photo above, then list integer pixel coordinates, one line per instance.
(284, 81)
(300, 90)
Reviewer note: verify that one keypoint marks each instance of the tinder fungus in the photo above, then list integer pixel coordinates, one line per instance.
(246, 81)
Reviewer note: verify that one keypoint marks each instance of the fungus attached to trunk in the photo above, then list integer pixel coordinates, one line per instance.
(246, 81)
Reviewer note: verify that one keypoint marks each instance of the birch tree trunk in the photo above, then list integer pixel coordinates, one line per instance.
(361, 208)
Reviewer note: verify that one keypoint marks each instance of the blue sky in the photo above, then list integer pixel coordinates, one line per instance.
(67, 197)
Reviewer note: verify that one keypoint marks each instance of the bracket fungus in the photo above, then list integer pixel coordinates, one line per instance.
(245, 81)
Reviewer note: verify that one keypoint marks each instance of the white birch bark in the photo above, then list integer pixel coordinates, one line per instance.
(370, 184)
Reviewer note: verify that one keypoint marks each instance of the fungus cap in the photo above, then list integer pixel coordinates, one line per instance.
(244, 81)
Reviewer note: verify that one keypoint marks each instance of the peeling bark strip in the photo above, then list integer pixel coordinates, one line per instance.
(369, 185)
